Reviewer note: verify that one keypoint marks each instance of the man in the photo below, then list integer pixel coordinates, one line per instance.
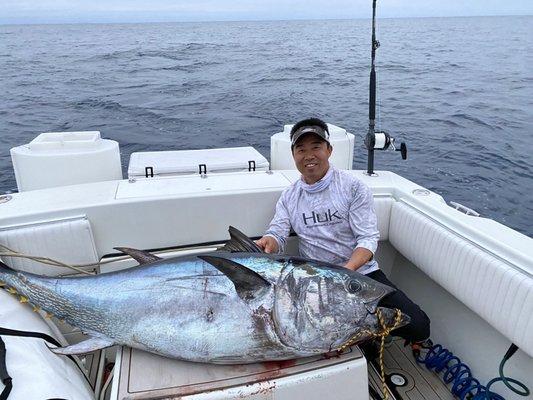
(332, 212)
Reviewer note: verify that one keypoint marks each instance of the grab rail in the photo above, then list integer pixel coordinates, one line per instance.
(464, 209)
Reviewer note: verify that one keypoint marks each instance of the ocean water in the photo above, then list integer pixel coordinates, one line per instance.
(458, 91)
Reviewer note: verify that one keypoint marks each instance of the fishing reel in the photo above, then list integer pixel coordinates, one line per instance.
(382, 141)
(377, 140)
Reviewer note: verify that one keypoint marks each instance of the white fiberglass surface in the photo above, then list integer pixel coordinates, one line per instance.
(196, 185)
(458, 328)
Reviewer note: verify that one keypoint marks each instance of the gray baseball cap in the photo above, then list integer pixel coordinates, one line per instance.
(306, 129)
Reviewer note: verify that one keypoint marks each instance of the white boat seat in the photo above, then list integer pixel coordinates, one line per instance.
(67, 240)
(383, 207)
(497, 291)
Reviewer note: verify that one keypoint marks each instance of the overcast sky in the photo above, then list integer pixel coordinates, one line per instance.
(66, 11)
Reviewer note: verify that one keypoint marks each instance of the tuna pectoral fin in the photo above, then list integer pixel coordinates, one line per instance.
(141, 256)
(248, 284)
(87, 346)
(239, 242)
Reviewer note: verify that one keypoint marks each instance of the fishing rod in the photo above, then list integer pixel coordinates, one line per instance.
(376, 140)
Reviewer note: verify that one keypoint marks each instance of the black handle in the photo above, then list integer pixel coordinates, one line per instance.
(149, 172)
(4, 376)
(403, 150)
(3, 369)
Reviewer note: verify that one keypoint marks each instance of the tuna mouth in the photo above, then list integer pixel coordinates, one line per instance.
(387, 318)
(371, 307)
(392, 317)
(377, 301)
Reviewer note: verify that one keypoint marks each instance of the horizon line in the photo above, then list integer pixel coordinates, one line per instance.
(253, 20)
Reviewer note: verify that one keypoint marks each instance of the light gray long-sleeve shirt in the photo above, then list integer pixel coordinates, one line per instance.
(332, 218)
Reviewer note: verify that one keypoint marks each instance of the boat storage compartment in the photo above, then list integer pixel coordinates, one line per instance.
(185, 162)
(140, 375)
(65, 158)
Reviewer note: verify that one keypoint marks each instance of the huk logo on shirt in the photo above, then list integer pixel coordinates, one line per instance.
(320, 218)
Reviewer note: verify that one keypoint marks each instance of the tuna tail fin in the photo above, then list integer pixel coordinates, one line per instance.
(6, 268)
(5, 272)
(239, 243)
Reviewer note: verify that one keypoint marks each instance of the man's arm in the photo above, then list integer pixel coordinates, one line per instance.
(359, 257)
(278, 230)
(363, 222)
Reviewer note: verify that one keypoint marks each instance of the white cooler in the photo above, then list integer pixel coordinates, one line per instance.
(186, 162)
(65, 158)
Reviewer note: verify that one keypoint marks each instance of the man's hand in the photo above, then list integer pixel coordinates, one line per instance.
(268, 244)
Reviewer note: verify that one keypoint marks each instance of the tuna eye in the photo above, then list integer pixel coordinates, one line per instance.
(353, 286)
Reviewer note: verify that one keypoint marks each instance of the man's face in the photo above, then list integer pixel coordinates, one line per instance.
(311, 156)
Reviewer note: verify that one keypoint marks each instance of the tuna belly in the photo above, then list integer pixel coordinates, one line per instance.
(186, 313)
(230, 331)
(198, 341)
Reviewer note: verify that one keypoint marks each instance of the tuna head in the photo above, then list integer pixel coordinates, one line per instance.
(319, 308)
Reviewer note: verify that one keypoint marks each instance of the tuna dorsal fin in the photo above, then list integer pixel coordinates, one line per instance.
(248, 284)
(87, 346)
(239, 242)
(141, 256)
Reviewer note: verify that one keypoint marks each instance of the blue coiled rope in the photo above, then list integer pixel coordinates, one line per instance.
(458, 374)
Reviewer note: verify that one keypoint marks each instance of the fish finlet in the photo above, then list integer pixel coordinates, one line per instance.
(12, 290)
(48, 315)
(2, 284)
(23, 299)
(36, 308)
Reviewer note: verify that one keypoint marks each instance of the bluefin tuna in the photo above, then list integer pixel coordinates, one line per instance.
(226, 307)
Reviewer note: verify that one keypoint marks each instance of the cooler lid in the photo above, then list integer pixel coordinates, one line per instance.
(66, 142)
(187, 161)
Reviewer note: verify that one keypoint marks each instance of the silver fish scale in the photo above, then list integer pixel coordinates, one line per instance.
(186, 308)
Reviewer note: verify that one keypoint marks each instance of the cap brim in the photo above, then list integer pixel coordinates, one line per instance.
(309, 130)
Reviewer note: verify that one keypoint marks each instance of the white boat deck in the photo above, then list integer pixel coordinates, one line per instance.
(406, 380)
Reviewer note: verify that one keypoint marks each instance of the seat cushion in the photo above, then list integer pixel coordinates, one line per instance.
(497, 291)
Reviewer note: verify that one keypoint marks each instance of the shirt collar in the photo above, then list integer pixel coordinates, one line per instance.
(319, 185)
